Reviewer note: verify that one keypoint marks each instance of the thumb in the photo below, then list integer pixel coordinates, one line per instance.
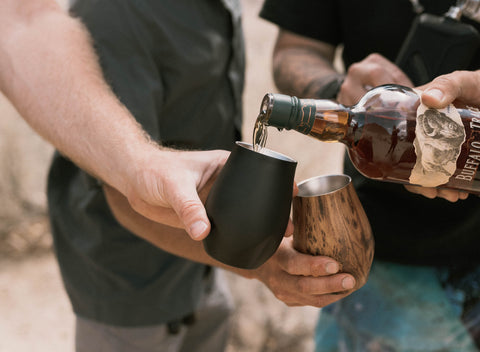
(436, 98)
(192, 214)
(444, 89)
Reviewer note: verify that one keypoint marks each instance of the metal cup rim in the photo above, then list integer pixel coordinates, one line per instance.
(322, 185)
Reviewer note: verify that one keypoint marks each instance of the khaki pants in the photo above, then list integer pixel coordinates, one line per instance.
(209, 332)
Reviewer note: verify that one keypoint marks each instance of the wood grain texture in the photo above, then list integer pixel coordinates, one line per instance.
(335, 225)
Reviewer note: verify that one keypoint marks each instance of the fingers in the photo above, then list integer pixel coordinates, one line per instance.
(325, 300)
(289, 230)
(373, 71)
(186, 199)
(308, 265)
(298, 279)
(351, 91)
(452, 195)
(326, 285)
(170, 188)
(458, 85)
(319, 292)
(184, 210)
(430, 192)
(313, 291)
(295, 189)
(194, 217)
(427, 192)
(308, 268)
(296, 263)
(159, 214)
(187, 211)
(383, 71)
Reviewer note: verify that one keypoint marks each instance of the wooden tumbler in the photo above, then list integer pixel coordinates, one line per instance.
(329, 220)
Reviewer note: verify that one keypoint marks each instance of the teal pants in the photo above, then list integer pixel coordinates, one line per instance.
(406, 309)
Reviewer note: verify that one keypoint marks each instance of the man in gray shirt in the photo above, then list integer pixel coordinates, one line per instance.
(134, 284)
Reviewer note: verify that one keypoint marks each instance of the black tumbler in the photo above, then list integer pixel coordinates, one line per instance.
(249, 206)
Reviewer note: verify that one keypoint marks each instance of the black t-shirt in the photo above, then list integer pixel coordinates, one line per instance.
(408, 228)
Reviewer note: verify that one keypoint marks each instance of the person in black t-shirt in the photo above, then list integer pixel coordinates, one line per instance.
(424, 287)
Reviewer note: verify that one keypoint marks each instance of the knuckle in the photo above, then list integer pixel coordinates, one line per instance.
(303, 286)
(444, 80)
(451, 81)
(189, 207)
(376, 72)
(273, 285)
(353, 69)
(317, 268)
(374, 57)
(397, 75)
(346, 85)
(135, 202)
(329, 285)
(281, 296)
(290, 265)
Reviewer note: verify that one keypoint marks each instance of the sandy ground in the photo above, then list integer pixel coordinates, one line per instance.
(35, 314)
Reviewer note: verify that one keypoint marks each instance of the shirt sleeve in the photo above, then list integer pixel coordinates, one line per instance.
(315, 19)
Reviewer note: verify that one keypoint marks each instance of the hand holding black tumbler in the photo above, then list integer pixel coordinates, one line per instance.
(249, 206)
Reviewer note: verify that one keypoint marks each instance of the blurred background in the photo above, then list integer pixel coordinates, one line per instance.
(35, 314)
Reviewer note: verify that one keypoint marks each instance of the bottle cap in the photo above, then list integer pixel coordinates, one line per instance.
(283, 107)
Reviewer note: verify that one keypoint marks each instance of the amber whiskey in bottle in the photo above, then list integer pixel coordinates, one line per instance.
(390, 135)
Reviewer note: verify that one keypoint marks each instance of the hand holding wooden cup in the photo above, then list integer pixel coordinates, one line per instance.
(329, 220)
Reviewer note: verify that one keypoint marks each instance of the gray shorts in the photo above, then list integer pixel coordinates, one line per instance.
(208, 333)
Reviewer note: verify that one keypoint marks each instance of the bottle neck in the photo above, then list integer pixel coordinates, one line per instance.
(323, 119)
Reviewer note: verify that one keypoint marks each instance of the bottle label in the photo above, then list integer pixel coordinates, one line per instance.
(439, 135)
(466, 174)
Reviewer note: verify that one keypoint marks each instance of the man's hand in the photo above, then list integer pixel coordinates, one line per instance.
(460, 88)
(165, 188)
(299, 279)
(295, 278)
(431, 192)
(372, 71)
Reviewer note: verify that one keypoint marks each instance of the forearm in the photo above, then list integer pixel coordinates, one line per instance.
(49, 71)
(169, 239)
(302, 66)
(293, 277)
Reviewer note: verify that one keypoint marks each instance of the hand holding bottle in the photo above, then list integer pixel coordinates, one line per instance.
(460, 88)
(372, 71)
(376, 70)
(390, 135)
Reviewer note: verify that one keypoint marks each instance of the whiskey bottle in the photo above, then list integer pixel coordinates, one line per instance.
(390, 135)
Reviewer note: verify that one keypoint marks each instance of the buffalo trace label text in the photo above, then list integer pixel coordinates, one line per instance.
(473, 161)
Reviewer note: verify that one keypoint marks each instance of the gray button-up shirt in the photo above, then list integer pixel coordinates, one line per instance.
(178, 66)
